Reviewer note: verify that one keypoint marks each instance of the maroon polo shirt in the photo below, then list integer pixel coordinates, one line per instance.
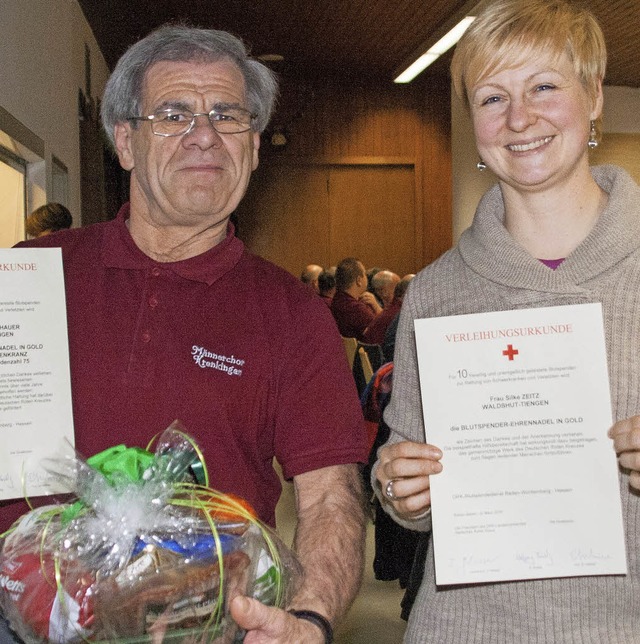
(378, 327)
(351, 315)
(247, 357)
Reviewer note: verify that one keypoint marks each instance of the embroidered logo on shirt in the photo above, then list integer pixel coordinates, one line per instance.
(209, 360)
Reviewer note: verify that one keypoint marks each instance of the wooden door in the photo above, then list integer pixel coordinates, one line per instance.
(294, 215)
(284, 216)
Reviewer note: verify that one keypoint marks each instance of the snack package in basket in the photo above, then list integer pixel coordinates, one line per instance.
(144, 552)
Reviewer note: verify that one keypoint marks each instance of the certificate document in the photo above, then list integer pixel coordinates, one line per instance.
(519, 403)
(36, 420)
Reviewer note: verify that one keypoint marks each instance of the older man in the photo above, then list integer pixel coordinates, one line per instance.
(167, 282)
(376, 331)
(327, 287)
(383, 284)
(310, 275)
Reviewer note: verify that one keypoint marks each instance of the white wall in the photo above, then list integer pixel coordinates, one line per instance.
(621, 117)
(621, 113)
(42, 53)
(12, 206)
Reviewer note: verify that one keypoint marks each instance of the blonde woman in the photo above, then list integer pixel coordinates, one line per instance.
(553, 231)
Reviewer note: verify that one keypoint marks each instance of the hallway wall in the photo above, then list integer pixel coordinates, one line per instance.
(365, 172)
(42, 49)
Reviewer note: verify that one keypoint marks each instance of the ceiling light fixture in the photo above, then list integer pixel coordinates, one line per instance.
(271, 58)
(443, 45)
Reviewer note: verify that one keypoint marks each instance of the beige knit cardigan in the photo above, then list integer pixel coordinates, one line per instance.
(489, 271)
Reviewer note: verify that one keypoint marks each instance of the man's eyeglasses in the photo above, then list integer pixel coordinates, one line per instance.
(175, 122)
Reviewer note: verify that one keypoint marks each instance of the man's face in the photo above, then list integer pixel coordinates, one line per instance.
(385, 290)
(196, 179)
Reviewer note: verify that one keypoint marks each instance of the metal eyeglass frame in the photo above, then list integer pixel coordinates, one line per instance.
(152, 118)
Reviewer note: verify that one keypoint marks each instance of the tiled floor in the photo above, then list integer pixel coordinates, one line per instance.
(374, 617)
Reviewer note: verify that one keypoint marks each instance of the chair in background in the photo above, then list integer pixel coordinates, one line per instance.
(374, 351)
(362, 371)
(365, 363)
(350, 346)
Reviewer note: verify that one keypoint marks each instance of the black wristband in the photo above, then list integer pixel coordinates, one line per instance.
(319, 620)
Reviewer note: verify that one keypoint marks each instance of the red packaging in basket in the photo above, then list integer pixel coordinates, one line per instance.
(52, 614)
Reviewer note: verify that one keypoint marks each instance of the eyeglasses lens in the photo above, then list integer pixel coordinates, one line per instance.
(177, 122)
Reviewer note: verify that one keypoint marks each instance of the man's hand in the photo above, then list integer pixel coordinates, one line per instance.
(329, 542)
(370, 300)
(626, 442)
(267, 625)
(404, 472)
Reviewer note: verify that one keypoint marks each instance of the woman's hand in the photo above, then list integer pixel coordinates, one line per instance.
(626, 442)
(403, 474)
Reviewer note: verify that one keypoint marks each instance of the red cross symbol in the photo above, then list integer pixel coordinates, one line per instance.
(510, 351)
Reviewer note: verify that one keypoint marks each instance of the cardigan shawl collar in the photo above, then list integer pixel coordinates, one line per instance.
(489, 250)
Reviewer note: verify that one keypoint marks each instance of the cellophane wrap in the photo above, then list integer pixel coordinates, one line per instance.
(144, 552)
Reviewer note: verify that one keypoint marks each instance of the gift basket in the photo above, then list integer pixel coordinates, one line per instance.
(145, 551)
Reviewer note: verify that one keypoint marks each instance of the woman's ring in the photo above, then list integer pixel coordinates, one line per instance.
(388, 490)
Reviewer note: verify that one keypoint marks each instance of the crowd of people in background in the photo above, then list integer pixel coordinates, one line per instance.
(365, 303)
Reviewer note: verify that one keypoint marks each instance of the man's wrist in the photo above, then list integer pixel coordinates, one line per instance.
(319, 620)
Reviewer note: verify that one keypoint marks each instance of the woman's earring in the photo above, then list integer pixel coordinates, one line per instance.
(593, 141)
(481, 165)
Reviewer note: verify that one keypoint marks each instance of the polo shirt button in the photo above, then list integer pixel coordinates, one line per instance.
(155, 271)
(153, 301)
(146, 336)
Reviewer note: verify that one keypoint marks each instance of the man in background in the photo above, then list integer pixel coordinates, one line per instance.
(48, 219)
(353, 306)
(327, 286)
(310, 276)
(383, 284)
(377, 330)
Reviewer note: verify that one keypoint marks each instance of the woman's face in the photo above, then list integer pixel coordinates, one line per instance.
(532, 123)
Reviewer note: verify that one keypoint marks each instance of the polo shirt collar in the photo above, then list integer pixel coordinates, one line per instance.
(120, 251)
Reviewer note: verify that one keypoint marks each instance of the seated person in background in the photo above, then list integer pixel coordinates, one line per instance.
(48, 219)
(375, 333)
(353, 307)
(370, 275)
(388, 345)
(383, 284)
(310, 276)
(327, 286)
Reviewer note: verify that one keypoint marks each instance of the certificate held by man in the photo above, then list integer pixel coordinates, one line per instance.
(36, 420)
(519, 403)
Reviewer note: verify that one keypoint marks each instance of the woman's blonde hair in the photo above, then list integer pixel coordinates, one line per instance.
(510, 32)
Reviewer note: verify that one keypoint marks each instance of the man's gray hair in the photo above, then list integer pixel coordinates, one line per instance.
(179, 43)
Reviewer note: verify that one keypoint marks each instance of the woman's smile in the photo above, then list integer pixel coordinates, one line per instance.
(533, 145)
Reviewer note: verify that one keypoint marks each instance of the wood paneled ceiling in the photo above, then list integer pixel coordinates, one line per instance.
(351, 38)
